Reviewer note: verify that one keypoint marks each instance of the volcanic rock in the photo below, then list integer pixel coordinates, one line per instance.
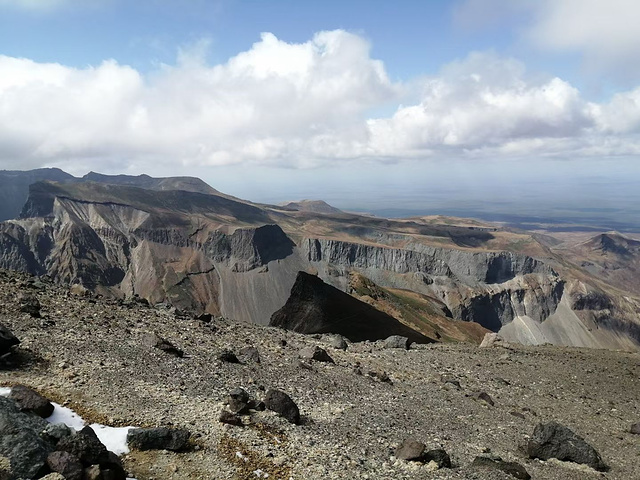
(552, 440)
(29, 400)
(161, 438)
(282, 404)
(85, 445)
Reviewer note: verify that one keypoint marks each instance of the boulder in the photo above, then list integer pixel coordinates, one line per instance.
(511, 468)
(411, 450)
(282, 404)
(29, 400)
(315, 353)
(397, 341)
(161, 438)
(66, 464)
(7, 340)
(552, 440)
(20, 441)
(154, 340)
(493, 340)
(85, 445)
(635, 429)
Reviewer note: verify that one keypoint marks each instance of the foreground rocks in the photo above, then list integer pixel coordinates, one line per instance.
(349, 417)
(29, 400)
(161, 438)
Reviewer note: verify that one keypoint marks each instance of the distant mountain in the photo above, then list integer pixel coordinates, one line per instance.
(314, 206)
(14, 187)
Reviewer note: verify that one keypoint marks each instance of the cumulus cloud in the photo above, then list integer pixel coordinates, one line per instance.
(604, 33)
(297, 105)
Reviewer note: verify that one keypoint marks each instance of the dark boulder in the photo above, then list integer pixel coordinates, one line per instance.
(20, 441)
(161, 438)
(282, 404)
(438, 455)
(511, 468)
(85, 445)
(66, 464)
(29, 400)
(7, 340)
(552, 440)
(315, 353)
(112, 468)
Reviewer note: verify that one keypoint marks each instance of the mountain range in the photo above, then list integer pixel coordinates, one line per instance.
(313, 268)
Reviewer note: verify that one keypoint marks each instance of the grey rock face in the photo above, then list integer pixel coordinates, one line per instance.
(29, 400)
(552, 440)
(315, 353)
(158, 439)
(282, 404)
(7, 340)
(66, 464)
(512, 468)
(20, 441)
(397, 341)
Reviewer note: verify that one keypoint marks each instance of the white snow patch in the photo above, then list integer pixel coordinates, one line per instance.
(260, 474)
(67, 416)
(114, 438)
(241, 456)
(5, 391)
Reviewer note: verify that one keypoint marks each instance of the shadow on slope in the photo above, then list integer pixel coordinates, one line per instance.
(316, 307)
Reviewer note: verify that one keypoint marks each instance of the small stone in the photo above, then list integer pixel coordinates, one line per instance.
(230, 418)
(29, 400)
(237, 400)
(552, 440)
(156, 341)
(282, 404)
(228, 356)
(336, 341)
(397, 341)
(411, 450)
(511, 468)
(439, 456)
(315, 353)
(635, 429)
(484, 396)
(249, 355)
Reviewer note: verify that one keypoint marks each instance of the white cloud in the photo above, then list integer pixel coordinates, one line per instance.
(295, 105)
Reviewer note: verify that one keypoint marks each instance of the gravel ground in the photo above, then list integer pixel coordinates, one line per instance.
(90, 354)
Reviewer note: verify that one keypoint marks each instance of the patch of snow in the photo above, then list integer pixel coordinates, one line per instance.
(114, 438)
(260, 474)
(5, 391)
(67, 416)
(241, 456)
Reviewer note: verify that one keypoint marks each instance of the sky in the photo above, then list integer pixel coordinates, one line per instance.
(406, 105)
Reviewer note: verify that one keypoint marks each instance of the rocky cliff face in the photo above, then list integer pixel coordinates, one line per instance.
(204, 252)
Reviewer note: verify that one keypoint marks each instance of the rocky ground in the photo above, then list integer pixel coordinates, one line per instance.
(101, 358)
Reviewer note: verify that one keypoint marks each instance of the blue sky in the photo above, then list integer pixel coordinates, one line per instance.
(254, 94)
